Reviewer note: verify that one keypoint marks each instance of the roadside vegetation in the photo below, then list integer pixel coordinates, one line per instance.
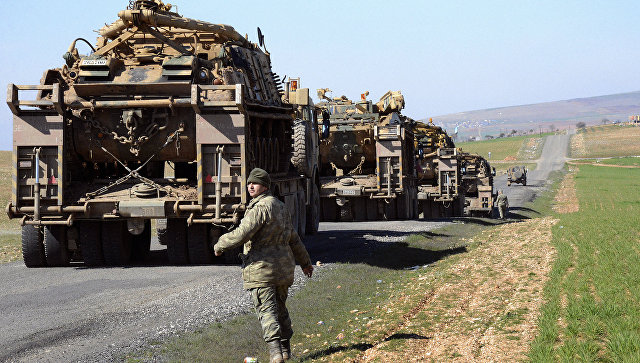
(10, 247)
(359, 311)
(592, 310)
(606, 141)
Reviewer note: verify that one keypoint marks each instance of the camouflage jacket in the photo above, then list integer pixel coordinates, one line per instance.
(271, 245)
(502, 200)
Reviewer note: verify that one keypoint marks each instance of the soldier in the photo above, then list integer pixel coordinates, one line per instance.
(503, 204)
(271, 250)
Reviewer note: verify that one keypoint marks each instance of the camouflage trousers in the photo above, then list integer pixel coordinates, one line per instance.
(272, 312)
(502, 208)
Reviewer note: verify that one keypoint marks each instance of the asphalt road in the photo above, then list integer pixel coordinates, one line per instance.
(100, 314)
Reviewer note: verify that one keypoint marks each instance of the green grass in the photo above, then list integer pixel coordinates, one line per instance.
(9, 229)
(623, 161)
(606, 141)
(514, 148)
(592, 310)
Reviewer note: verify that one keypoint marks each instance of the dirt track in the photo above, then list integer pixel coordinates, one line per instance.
(79, 314)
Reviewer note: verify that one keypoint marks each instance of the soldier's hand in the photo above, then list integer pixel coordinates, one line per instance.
(308, 271)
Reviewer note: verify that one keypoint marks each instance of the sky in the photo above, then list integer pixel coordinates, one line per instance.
(445, 56)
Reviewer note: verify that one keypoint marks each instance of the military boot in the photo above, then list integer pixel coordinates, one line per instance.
(286, 349)
(275, 352)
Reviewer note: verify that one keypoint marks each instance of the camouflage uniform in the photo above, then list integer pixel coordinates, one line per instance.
(503, 204)
(271, 249)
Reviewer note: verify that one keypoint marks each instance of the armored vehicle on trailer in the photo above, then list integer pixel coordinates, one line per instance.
(163, 120)
(366, 159)
(438, 172)
(477, 184)
(517, 174)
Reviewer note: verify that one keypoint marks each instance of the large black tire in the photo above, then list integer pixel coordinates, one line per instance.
(372, 209)
(390, 210)
(141, 243)
(403, 205)
(116, 243)
(359, 205)
(32, 247)
(90, 236)
(313, 211)
(302, 148)
(329, 209)
(175, 237)
(200, 252)
(55, 246)
(302, 214)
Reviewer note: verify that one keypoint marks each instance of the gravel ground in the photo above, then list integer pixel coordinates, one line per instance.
(77, 314)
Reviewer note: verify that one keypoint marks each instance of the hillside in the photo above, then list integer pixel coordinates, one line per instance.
(541, 116)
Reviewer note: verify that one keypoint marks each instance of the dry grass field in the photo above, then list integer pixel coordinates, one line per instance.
(606, 141)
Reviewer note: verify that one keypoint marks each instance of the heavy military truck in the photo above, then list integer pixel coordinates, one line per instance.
(439, 177)
(366, 159)
(517, 174)
(477, 184)
(164, 119)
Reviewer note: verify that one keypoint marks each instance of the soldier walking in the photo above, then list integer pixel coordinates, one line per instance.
(503, 204)
(271, 250)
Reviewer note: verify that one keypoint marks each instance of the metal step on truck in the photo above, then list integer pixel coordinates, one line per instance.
(164, 120)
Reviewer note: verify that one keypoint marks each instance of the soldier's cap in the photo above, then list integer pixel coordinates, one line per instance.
(259, 176)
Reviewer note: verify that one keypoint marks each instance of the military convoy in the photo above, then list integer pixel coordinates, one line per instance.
(163, 120)
(166, 117)
(366, 160)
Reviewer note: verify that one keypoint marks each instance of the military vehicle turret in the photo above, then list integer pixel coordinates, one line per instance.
(163, 120)
(366, 159)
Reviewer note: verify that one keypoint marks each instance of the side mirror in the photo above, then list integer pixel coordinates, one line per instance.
(493, 171)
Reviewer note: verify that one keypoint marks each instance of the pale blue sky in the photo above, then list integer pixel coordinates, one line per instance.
(445, 56)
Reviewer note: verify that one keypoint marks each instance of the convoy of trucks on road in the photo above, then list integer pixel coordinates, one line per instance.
(165, 119)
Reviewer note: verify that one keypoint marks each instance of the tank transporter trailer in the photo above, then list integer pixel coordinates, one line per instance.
(366, 159)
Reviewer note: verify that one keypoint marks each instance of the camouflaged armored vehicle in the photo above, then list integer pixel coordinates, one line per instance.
(477, 184)
(366, 159)
(439, 176)
(517, 174)
(163, 120)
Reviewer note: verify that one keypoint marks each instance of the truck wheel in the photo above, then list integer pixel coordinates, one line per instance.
(390, 210)
(372, 209)
(176, 239)
(91, 243)
(141, 244)
(32, 247)
(55, 246)
(116, 243)
(346, 214)
(302, 148)
(302, 214)
(359, 209)
(403, 204)
(313, 211)
(200, 252)
(329, 209)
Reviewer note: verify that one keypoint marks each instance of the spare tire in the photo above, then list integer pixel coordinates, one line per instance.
(302, 158)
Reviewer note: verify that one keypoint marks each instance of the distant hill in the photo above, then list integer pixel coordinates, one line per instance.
(541, 116)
